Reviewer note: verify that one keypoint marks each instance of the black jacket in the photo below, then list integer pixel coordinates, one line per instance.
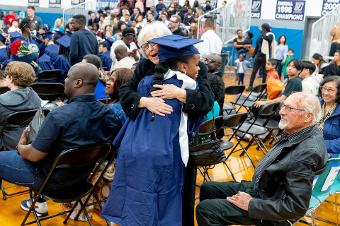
(82, 42)
(331, 69)
(269, 39)
(178, 31)
(285, 186)
(198, 102)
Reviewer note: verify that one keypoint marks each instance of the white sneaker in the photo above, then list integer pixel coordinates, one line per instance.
(40, 207)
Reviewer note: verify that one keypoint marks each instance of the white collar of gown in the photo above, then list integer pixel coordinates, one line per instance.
(188, 83)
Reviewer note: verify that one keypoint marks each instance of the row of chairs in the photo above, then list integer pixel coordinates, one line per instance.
(243, 123)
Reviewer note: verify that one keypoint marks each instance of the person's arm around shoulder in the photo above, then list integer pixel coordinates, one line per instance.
(201, 100)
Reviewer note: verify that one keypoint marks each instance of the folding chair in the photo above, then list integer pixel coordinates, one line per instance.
(4, 89)
(255, 131)
(232, 90)
(50, 76)
(48, 90)
(21, 119)
(325, 185)
(88, 158)
(207, 131)
(249, 127)
(233, 122)
(257, 93)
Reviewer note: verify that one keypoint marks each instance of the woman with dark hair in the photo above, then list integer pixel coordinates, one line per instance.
(114, 81)
(330, 120)
(281, 53)
(319, 62)
(153, 149)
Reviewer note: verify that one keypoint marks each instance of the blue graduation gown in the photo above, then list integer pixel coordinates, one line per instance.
(100, 90)
(63, 64)
(4, 58)
(52, 51)
(45, 62)
(106, 60)
(147, 187)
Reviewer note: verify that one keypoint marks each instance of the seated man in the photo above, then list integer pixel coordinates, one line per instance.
(83, 121)
(282, 183)
(123, 59)
(21, 97)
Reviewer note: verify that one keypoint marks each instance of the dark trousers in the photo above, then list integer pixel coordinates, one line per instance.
(279, 67)
(215, 210)
(188, 207)
(240, 78)
(259, 62)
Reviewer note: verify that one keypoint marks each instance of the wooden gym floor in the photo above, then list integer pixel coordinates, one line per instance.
(12, 215)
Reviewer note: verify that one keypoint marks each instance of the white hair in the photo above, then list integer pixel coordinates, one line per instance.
(310, 103)
(157, 27)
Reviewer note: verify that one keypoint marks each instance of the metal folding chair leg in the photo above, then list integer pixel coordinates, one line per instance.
(5, 194)
(231, 173)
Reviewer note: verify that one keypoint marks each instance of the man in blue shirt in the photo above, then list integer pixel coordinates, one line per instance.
(83, 42)
(82, 121)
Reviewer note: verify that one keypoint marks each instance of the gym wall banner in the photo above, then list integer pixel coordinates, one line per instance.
(256, 6)
(328, 5)
(33, 3)
(290, 10)
(101, 4)
(54, 3)
(77, 2)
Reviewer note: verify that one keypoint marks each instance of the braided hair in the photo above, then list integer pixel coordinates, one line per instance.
(163, 67)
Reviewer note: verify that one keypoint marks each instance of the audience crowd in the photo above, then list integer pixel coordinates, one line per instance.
(137, 76)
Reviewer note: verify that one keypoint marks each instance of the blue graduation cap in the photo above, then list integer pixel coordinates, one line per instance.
(14, 36)
(108, 43)
(58, 34)
(174, 46)
(64, 41)
(48, 35)
(2, 38)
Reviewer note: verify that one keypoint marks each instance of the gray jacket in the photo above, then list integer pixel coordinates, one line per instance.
(14, 101)
(285, 186)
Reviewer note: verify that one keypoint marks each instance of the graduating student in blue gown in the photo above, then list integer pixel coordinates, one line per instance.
(153, 149)
(4, 57)
(62, 63)
(104, 53)
(45, 62)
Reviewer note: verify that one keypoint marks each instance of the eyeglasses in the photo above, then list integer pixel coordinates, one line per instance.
(147, 46)
(328, 90)
(289, 108)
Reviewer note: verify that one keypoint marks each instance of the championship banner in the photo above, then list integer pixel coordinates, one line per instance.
(290, 10)
(33, 3)
(101, 4)
(54, 4)
(256, 7)
(77, 2)
(328, 5)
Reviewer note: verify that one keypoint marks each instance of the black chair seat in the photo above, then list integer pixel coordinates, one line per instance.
(228, 107)
(225, 145)
(254, 129)
(69, 194)
(271, 124)
(4, 89)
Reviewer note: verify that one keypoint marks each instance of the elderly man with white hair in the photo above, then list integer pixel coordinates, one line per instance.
(281, 187)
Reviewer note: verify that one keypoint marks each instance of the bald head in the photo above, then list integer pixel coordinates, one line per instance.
(121, 52)
(81, 79)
